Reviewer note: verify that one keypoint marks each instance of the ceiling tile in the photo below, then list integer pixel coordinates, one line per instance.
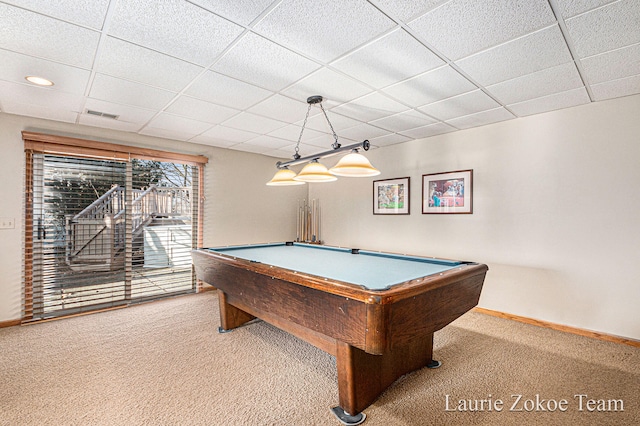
(552, 102)
(281, 108)
(323, 142)
(362, 131)
(525, 55)
(619, 63)
(390, 139)
(292, 133)
(569, 8)
(606, 28)
(319, 121)
(166, 133)
(51, 112)
(125, 60)
(187, 127)
(481, 118)
(405, 10)
(332, 86)
(174, 27)
(15, 67)
(546, 82)
(212, 140)
(37, 35)
(120, 91)
(43, 97)
(616, 88)
(89, 13)
(246, 147)
(430, 130)
(370, 107)
(253, 123)
(240, 11)
(223, 90)
(283, 153)
(128, 114)
(486, 23)
(302, 26)
(258, 61)
(229, 134)
(403, 121)
(269, 142)
(395, 57)
(430, 87)
(108, 123)
(457, 106)
(197, 109)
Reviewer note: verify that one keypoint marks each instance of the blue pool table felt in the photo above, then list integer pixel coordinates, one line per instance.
(372, 270)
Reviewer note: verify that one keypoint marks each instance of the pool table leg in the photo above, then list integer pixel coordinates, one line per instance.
(362, 377)
(230, 316)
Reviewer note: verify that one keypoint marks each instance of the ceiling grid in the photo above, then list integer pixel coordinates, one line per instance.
(237, 73)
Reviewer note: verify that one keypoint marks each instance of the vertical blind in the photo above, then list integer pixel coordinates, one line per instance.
(106, 225)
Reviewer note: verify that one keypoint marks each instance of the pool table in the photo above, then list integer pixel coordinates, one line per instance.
(375, 312)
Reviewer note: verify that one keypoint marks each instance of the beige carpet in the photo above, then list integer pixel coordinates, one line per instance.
(164, 363)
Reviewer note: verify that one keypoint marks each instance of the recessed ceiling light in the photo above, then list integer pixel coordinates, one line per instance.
(40, 81)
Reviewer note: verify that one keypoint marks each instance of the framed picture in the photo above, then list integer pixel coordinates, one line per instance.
(391, 196)
(449, 192)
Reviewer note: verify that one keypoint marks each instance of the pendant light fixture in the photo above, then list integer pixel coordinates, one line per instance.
(353, 164)
(315, 172)
(284, 177)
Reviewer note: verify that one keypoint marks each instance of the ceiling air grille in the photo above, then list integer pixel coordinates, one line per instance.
(102, 114)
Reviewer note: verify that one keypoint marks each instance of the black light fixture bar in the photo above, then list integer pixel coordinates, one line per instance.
(364, 145)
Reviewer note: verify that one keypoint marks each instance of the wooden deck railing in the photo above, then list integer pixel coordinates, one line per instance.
(97, 235)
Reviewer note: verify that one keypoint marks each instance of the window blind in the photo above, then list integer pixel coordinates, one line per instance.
(106, 225)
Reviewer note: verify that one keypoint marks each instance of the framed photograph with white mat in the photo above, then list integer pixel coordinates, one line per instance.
(448, 192)
(391, 196)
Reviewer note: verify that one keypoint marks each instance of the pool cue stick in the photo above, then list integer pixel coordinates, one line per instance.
(304, 220)
(310, 229)
(318, 221)
(298, 223)
(309, 221)
(313, 221)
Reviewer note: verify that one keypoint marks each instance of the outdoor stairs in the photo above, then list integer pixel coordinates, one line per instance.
(95, 237)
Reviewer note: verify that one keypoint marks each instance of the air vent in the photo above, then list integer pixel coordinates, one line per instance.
(102, 114)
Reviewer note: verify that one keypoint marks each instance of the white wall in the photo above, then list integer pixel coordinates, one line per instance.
(556, 209)
(556, 212)
(239, 207)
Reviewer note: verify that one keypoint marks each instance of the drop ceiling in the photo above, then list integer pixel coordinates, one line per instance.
(236, 73)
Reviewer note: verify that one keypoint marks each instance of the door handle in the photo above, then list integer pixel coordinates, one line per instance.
(42, 233)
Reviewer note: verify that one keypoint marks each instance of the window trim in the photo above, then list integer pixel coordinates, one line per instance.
(63, 145)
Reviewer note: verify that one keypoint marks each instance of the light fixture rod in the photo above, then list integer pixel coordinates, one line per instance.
(364, 145)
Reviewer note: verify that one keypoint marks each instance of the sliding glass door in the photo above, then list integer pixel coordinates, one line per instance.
(108, 232)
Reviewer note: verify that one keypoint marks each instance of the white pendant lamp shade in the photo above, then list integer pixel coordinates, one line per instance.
(315, 172)
(284, 177)
(354, 165)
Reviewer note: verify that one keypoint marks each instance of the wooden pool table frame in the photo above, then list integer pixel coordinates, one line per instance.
(375, 335)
